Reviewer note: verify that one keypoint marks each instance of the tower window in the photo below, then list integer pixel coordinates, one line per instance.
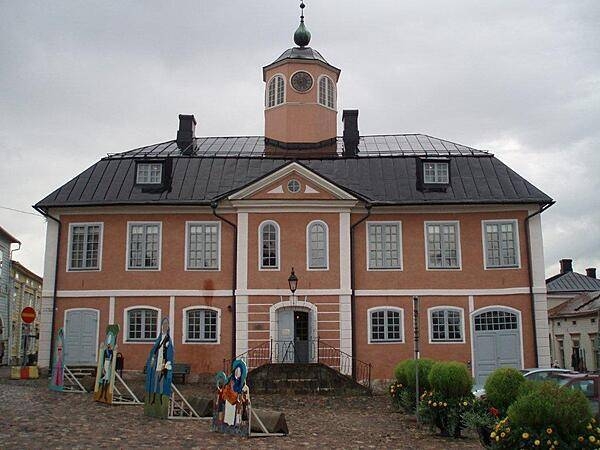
(326, 92)
(275, 91)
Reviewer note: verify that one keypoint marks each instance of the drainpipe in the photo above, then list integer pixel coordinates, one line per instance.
(368, 206)
(214, 206)
(530, 273)
(54, 288)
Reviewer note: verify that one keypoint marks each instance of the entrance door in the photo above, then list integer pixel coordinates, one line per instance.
(81, 337)
(301, 336)
(496, 342)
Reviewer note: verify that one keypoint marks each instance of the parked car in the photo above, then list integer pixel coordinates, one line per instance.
(588, 384)
(533, 374)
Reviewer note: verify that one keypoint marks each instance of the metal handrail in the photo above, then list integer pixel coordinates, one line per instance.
(318, 352)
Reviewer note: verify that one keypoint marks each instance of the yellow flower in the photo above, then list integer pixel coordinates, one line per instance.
(429, 402)
(592, 439)
(580, 438)
(549, 442)
(502, 434)
(445, 404)
(465, 403)
(549, 430)
(536, 442)
(589, 426)
(434, 404)
(555, 442)
(593, 420)
(525, 435)
(497, 438)
(493, 435)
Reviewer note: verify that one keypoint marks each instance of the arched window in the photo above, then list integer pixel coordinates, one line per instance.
(317, 245)
(446, 324)
(275, 91)
(386, 324)
(269, 245)
(201, 324)
(142, 323)
(326, 92)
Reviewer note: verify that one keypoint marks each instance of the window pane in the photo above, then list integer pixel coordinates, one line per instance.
(435, 173)
(386, 326)
(149, 173)
(142, 324)
(202, 325)
(442, 245)
(203, 240)
(85, 245)
(384, 246)
(269, 246)
(501, 248)
(317, 246)
(144, 246)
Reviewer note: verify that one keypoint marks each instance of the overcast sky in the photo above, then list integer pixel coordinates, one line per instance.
(521, 79)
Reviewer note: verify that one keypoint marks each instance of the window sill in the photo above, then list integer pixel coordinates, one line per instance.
(201, 342)
(386, 342)
(87, 269)
(446, 342)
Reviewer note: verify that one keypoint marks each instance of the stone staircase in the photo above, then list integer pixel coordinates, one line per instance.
(295, 378)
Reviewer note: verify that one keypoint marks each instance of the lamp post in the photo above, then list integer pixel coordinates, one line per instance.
(293, 282)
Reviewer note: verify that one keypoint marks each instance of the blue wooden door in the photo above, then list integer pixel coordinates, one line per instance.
(284, 346)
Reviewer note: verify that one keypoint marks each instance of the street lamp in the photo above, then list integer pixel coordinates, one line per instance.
(293, 281)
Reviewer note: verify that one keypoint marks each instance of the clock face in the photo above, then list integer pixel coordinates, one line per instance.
(302, 81)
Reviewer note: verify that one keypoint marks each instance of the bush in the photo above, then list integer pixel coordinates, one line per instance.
(405, 388)
(445, 413)
(502, 387)
(547, 413)
(450, 379)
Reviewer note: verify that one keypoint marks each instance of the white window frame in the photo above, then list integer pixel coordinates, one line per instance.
(159, 262)
(275, 104)
(69, 267)
(334, 92)
(184, 334)
(188, 225)
(461, 312)
(308, 247)
(436, 165)
(400, 249)
(515, 223)
(278, 244)
(149, 181)
(126, 339)
(385, 308)
(458, 245)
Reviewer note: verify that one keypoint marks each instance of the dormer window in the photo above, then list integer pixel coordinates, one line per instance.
(326, 92)
(435, 172)
(149, 173)
(275, 91)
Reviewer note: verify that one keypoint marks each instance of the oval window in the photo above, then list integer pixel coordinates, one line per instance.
(293, 186)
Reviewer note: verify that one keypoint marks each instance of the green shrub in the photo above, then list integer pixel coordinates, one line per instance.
(405, 387)
(502, 387)
(547, 413)
(450, 379)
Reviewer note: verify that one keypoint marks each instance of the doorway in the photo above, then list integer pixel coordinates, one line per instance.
(293, 336)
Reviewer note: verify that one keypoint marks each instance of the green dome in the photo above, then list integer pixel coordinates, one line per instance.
(302, 35)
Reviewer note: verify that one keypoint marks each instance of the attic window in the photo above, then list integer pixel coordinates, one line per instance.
(149, 173)
(435, 172)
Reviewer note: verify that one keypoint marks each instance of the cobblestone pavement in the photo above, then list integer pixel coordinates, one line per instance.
(32, 416)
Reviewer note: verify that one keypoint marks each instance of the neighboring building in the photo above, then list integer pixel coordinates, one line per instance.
(6, 239)
(568, 284)
(26, 291)
(573, 308)
(206, 232)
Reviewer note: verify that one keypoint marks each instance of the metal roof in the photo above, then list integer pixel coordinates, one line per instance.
(572, 282)
(9, 237)
(582, 305)
(385, 174)
(254, 146)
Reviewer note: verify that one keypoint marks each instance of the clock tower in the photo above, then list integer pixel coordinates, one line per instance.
(301, 100)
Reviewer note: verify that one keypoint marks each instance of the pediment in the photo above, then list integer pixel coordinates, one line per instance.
(292, 182)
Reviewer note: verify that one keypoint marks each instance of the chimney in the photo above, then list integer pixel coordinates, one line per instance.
(566, 265)
(591, 272)
(351, 136)
(186, 133)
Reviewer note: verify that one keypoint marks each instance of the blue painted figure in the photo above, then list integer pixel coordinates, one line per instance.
(232, 408)
(159, 374)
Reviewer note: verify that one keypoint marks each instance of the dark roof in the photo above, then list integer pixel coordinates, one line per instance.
(385, 174)
(572, 282)
(582, 305)
(21, 268)
(9, 237)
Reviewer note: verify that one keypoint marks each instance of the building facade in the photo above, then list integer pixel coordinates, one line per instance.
(6, 240)
(26, 291)
(573, 307)
(206, 231)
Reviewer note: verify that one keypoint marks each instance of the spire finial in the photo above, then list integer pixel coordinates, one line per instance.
(302, 35)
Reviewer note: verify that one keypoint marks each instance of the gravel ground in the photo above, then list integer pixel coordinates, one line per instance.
(32, 416)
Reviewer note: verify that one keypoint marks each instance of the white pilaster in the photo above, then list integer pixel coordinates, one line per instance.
(345, 263)
(540, 302)
(111, 311)
(172, 315)
(47, 310)
(241, 301)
